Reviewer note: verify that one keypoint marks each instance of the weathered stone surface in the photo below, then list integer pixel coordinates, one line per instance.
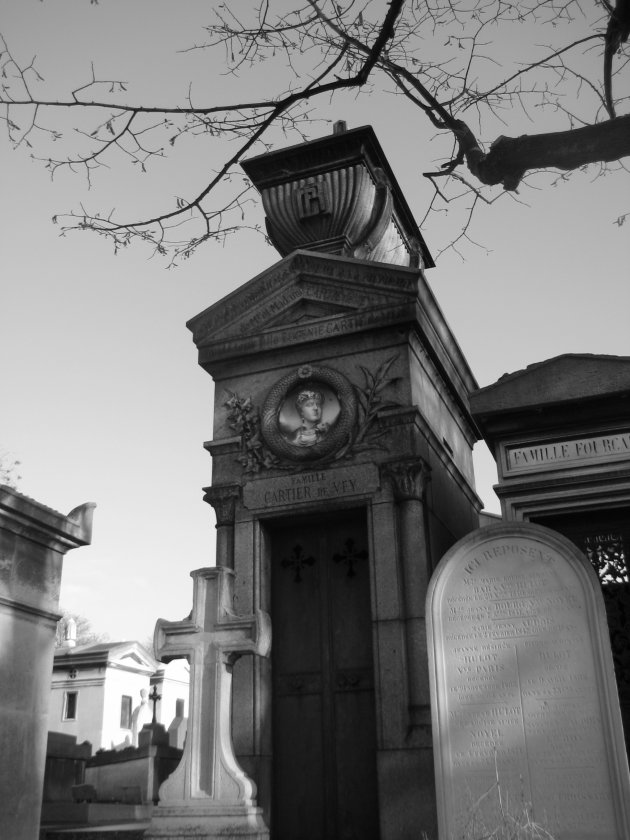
(209, 795)
(33, 541)
(523, 688)
(560, 434)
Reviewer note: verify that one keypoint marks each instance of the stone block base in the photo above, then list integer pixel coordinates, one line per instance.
(200, 822)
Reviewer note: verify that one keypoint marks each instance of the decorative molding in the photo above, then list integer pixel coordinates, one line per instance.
(223, 446)
(43, 616)
(409, 478)
(223, 499)
(323, 277)
(330, 327)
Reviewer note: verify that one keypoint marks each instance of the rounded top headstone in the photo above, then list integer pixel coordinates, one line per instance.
(523, 693)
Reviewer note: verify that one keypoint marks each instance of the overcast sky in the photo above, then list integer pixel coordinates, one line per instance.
(102, 398)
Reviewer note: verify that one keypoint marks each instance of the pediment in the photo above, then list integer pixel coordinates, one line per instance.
(304, 287)
(132, 656)
(303, 311)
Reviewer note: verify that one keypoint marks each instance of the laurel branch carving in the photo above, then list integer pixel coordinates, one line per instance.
(263, 445)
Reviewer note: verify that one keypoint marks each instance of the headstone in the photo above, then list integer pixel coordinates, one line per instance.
(140, 715)
(65, 766)
(560, 435)
(209, 795)
(117, 775)
(526, 721)
(177, 727)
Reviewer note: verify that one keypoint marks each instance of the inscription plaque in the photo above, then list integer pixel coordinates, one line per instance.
(557, 454)
(308, 487)
(522, 687)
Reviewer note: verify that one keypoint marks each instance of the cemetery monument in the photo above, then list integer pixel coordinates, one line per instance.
(341, 473)
(33, 541)
(523, 688)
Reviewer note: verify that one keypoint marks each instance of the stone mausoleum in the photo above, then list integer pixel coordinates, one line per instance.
(560, 435)
(342, 472)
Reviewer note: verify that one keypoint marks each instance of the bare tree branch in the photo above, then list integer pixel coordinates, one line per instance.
(439, 57)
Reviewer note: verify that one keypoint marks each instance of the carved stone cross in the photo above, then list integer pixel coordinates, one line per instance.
(209, 795)
(154, 697)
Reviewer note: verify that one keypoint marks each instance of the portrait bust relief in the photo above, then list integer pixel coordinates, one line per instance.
(309, 413)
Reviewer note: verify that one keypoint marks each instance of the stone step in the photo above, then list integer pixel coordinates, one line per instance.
(121, 831)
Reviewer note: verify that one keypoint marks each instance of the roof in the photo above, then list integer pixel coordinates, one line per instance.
(131, 655)
(568, 378)
(568, 392)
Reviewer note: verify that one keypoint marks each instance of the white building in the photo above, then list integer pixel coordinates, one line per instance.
(96, 688)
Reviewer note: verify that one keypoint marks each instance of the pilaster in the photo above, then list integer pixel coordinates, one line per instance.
(409, 480)
(223, 499)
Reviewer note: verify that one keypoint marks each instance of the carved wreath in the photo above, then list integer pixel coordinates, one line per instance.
(309, 378)
(264, 445)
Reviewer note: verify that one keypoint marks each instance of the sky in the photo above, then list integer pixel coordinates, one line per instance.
(102, 397)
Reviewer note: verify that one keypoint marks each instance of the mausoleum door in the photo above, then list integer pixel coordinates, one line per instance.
(324, 738)
(604, 536)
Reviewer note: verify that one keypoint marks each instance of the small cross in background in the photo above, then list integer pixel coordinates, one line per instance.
(154, 697)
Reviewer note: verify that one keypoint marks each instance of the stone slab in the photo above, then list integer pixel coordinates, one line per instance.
(523, 688)
(93, 813)
(309, 487)
(125, 831)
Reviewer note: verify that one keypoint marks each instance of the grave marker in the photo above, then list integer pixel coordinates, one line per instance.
(523, 688)
(209, 795)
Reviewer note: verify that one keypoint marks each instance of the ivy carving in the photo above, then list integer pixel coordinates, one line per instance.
(244, 419)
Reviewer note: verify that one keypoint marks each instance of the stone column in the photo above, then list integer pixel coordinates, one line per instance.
(33, 542)
(409, 479)
(223, 499)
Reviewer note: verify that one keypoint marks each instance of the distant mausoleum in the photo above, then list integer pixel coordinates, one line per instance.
(96, 693)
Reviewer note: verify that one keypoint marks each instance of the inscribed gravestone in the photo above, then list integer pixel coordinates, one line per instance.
(523, 689)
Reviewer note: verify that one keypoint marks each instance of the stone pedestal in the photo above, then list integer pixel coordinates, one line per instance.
(65, 766)
(209, 795)
(134, 775)
(33, 541)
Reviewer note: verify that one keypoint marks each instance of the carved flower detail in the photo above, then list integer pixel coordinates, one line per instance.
(305, 372)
